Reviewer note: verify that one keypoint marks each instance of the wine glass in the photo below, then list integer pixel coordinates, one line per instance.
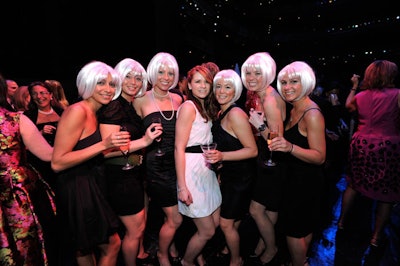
(210, 147)
(125, 151)
(273, 133)
(159, 152)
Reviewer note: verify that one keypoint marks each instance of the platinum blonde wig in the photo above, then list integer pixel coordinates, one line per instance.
(128, 65)
(91, 74)
(230, 76)
(262, 62)
(159, 60)
(301, 70)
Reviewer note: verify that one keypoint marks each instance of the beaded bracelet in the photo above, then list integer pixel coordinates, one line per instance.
(181, 189)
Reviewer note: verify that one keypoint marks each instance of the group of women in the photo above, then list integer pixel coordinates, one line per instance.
(96, 196)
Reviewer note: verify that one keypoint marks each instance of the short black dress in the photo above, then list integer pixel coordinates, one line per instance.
(125, 188)
(269, 181)
(236, 176)
(86, 216)
(160, 170)
(303, 185)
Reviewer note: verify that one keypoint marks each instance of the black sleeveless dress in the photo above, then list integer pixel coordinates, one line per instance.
(86, 216)
(303, 185)
(236, 176)
(160, 171)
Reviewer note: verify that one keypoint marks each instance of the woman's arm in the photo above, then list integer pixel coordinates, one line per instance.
(183, 127)
(33, 139)
(69, 131)
(238, 124)
(350, 103)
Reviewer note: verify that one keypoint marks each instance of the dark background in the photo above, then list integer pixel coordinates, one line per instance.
(54, 39)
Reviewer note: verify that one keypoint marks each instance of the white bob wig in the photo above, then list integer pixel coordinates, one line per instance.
(298, 69)
(128, 65)
(159, 60)
(262, 62)
(91, 74)
(230, 76)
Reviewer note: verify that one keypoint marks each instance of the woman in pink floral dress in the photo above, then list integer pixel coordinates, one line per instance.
(27, 206)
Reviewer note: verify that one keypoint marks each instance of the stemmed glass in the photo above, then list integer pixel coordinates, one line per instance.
(210, 147)
(159, 152)
(273, 133)
(125, 151)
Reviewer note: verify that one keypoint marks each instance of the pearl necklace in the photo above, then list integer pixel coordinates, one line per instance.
(159, 95)
(46, 113)
(158, 108)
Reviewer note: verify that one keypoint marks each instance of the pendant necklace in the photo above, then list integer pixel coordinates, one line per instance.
(158, 108)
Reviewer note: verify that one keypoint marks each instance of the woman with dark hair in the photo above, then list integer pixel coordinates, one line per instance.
(45, 116)
(27, 207)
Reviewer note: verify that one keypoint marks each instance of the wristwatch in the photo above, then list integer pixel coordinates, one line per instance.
(262, 127)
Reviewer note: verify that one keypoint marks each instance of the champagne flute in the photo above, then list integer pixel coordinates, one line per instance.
(125, 151)
(159, 152)
(273, 133)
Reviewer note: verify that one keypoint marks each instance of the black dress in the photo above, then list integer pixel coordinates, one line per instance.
(160, 171)
(236, 176)
(303, 184)
(86, 216)
(125, 187)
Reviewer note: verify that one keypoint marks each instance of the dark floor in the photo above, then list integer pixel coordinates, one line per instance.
(349, 247)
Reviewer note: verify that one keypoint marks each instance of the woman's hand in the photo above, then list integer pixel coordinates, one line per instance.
(255, 118)
(48, 129)
(117, 139)
(185, 196)
(152, 132)
(280, 144)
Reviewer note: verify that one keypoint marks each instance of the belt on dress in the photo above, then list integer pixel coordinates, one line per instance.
(194, 149)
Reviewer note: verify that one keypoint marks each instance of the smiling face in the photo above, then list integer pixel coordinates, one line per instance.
(42, 97)
(291, 87)
(254, 79)
(104, 91)
(131, 84)
(165, 78)
(224, 92)
(199, 86)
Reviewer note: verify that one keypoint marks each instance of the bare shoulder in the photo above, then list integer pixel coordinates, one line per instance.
(237, 112)
(74, 114)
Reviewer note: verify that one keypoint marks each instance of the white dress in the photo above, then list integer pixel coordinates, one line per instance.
(200, 180)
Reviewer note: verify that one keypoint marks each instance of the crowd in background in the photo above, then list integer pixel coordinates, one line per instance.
(70, 196)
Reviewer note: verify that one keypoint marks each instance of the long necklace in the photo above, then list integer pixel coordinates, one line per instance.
(158, 108)
(159, 95)
(46, 113)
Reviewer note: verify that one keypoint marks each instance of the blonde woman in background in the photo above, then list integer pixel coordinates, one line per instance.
(58, 93)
